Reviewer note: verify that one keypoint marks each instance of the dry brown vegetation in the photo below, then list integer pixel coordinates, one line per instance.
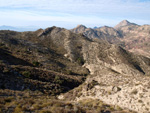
(35, 67)
(35, 102)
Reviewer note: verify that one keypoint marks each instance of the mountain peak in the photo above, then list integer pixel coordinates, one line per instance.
(123, 23)
(81, 26)
(79, 29)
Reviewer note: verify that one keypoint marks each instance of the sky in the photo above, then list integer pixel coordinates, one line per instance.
(70, 13)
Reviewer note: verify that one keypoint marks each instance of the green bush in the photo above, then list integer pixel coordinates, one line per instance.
(35, 63)
(58, 80)
(80, 61)
(18, 109)
(26, 74)
(69, 72)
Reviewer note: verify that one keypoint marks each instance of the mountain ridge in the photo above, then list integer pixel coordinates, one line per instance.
(125, 35)
(73, 67)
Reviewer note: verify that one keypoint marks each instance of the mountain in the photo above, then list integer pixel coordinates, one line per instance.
(124, 23)
(136, 38)
(56, 70)
(129, 35)
(104, 33)
(79, 29)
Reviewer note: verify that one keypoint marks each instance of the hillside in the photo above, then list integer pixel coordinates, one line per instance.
(70, 71)
(136, 39)
(104, 33)
(129, 35)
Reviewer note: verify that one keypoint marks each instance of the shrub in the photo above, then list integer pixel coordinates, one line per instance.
(35, 63)
(58, 80)
(6, 71)
(1, 110)
(37, 107)
(26, 74)
(18, 109)
(80, 61)
(118, 108)
(45, 111)
(69, 72)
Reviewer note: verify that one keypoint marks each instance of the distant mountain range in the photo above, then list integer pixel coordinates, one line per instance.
(27, 28)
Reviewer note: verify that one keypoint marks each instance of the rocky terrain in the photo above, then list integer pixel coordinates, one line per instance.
(136, 38)
(117, 79)
(104, 33)
(56, 70)
(129, 35)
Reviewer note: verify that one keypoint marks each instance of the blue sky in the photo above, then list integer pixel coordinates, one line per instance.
(70, 13)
